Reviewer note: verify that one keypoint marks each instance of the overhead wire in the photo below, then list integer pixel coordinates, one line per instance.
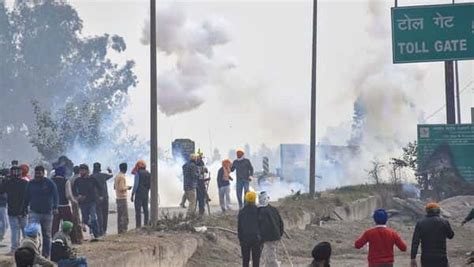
(442, 107)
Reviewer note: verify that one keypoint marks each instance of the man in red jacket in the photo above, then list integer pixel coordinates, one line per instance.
(381, 240)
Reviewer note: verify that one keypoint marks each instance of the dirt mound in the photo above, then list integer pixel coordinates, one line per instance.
(459, 207)
(319, 224)
(224, 250)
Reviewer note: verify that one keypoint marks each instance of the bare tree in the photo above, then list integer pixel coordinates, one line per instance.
(374, 174)
(395, 173)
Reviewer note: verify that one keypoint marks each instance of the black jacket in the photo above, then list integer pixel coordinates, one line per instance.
(88, 188)
(220, 179)
(61, 185)
(102, 179)
(144, 183)
(247, 225)
(270, 223)
(16, 190)
(432, 232)
(244, 169)
(190, 175)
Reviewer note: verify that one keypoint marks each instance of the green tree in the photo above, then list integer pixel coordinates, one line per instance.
(438, 183)
(71, 79)
(49, 139)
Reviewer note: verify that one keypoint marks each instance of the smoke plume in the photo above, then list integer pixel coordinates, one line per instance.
(190, 46)
(385, 110)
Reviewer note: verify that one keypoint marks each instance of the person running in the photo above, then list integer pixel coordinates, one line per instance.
(190, 179)
(381, 241)
(42, 199)
(76, 233)
(140, 193)
(244, 170)
(248, 231)
(223, 183)
(85, 190)
(15, 188)
(271, 229)
(64, 208)
(103, 202)
(321, 255)
(28, 254)
(121, 189)
(431, 232)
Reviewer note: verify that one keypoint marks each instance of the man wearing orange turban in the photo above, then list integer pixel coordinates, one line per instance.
(431, 232)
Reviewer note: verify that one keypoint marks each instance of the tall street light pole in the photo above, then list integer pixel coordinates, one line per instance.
(312, 158)
(153, 117)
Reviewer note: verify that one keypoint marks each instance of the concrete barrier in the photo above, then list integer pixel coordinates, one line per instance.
(135, 250)
(357, 210)
(163, 254)
(298, 221)
(140, 249)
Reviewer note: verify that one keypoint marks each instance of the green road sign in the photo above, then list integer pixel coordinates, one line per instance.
(447, 146)
(433, 33)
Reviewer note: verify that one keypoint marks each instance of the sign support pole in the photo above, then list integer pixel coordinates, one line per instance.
(458, 96)
(450, 103)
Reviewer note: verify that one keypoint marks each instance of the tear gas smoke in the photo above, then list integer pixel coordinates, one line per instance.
(189, 46)
(385, 110)
(384, 93)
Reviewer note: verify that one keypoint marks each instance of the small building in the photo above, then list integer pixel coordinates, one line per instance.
(331, 162)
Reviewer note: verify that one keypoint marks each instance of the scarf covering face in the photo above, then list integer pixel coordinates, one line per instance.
(141, 164)
(226, 165)
(263, 199)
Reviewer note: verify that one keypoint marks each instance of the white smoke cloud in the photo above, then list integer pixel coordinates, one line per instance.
(191, 45)
(387, 94)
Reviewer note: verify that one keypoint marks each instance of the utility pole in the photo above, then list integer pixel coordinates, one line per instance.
(312, 157)
(458, 97)
(153, 117)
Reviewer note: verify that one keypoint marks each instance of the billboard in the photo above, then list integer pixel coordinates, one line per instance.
(182, 149)
(446, 146)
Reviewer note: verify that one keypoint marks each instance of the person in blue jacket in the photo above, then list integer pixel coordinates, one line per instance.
(42, 199)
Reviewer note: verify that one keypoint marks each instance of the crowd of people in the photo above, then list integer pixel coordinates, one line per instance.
(196, 182)
(260, 229)
(260, 226)
(47, 215)
(431, 232)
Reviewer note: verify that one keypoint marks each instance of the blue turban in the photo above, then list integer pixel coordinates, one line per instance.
(380, 216)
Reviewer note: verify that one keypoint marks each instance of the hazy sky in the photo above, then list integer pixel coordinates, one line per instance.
(265, 99)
